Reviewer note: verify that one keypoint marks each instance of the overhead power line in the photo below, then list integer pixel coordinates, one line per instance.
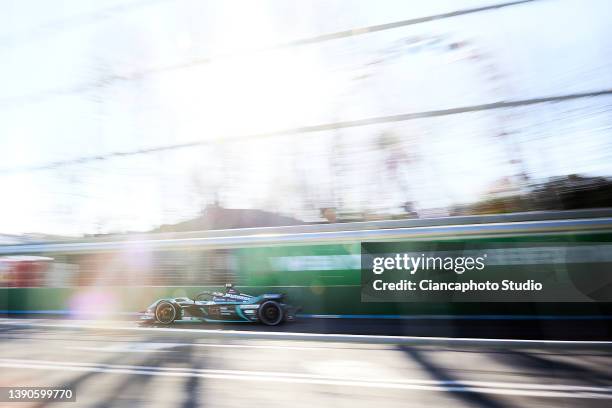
(398, 24)
(323, 127)
(110, 79)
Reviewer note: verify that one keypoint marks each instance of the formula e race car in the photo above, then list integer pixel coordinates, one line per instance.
(231, 306)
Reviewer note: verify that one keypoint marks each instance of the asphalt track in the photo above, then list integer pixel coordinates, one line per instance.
(117, 364)
(595, 327)
(495, 328)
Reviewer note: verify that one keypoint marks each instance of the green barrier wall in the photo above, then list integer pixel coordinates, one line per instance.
(322, 279)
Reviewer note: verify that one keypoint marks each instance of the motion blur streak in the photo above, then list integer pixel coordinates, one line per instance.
(356, 372)
(449, 386)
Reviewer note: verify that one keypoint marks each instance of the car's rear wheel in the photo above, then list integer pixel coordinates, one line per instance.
(165, 313)
(270, 313)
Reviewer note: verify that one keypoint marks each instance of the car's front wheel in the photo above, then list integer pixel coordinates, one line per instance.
(165, 313)
(270, 313)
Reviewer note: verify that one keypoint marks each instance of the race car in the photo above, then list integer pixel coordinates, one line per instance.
(231, 306)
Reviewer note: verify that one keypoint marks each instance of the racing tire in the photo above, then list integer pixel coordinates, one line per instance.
(271, 313)
(165, 312)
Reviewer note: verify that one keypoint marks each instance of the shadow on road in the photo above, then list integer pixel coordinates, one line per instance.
(548, 367)
(439, 373)
(133, 389)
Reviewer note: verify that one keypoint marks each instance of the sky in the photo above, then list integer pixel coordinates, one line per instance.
(70, 87)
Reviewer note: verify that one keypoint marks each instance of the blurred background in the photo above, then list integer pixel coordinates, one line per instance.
(124, 121)
(119, 116)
